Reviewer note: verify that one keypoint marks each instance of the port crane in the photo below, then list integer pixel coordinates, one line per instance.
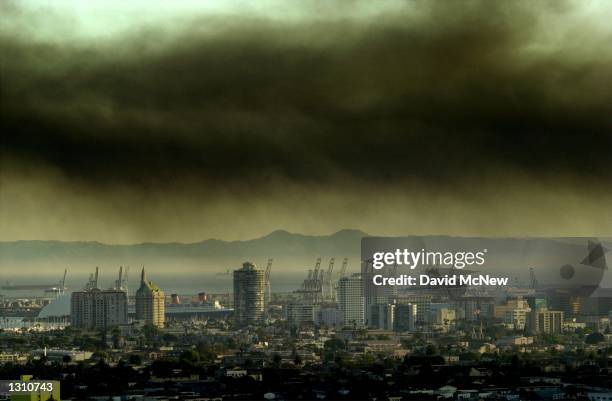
(93, 280)
(533, 282)
(267, 281)
(341, 273)
(343, 269)
(328, 280)
(122, 281)
(311, 287)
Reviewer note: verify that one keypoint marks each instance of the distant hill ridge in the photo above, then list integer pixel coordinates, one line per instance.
(279, 242)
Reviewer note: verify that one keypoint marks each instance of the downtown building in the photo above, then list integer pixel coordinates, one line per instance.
(405, 317)
(544, 321)
(94, 308)
(443, 315)
(382, 316)
(473, 308)
(378, 299)
(423, 306)
(150, 303)
(300, 313)
(514, 312)
(351, 300)
(329, 316)
(249, 289)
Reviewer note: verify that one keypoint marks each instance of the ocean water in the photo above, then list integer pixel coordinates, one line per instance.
(180, 283)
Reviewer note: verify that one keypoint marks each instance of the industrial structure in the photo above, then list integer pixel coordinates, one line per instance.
(268, 294)
(317, 296)
(319, 285)
(122, 281)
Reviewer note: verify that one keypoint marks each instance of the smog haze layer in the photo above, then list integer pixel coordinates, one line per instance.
(126, 122)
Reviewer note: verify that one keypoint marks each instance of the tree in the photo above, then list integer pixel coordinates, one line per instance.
(102, 341)
(334, 344)
(169, 338)
(594, 338)
(150, 332)
(206, 352)
(431, 350)
(101, 355)
(189, 356)
(116, 337)
(515, 362)
(231, 343)
(135, 359)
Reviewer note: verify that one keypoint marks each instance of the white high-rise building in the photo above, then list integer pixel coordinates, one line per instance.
(544, 321)
(351, 301)
(444, 316)
(98, 309)
(514, 312)
(93, 308)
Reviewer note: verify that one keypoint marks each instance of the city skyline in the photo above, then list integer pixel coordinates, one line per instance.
(494, 342)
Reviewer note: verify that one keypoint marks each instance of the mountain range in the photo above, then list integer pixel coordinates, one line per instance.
(277, 243)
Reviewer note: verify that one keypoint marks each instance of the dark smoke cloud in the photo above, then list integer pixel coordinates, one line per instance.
(439, 96)
(445, 96)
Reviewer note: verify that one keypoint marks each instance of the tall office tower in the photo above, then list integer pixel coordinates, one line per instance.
(536, 301)
(376, 294)
(569, 304)
(351, 301)
(444, 316)
(405, 317)
(476, 308)
(599, 303)
(423, 303)
(299, 313)
(98, 309)
(514, 312)
(544, 321)
(150, 303)
(382, 316)
(249, 285)
(328, 316)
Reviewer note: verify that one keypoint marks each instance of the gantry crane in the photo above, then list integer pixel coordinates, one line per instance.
(267, 281)
(343, 269)
(329, 289)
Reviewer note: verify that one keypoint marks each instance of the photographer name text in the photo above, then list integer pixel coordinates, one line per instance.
(445, 281)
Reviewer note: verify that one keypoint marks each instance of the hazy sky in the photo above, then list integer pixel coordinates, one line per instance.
(183, 120)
